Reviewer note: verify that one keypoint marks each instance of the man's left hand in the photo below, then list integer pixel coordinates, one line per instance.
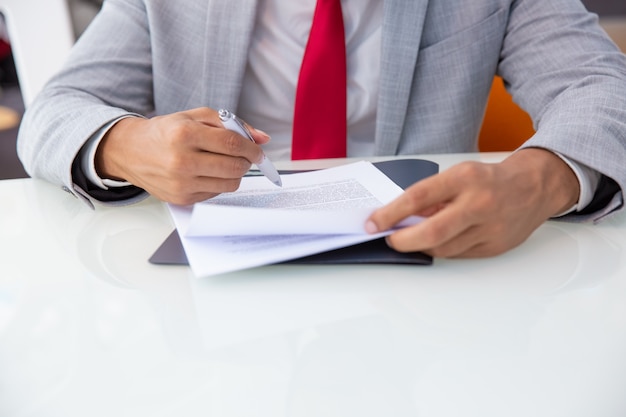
(478, 209)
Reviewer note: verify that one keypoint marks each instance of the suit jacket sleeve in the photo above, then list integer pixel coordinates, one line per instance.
(561, 67)
(107, 75)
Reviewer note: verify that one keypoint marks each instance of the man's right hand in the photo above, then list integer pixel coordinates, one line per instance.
(180, 158)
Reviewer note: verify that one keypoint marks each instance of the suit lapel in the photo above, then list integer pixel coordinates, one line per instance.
(403, 22)
(229, 26)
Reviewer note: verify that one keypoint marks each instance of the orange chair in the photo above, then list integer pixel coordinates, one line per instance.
(506, 126)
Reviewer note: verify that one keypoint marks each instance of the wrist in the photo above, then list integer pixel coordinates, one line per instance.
(555, 183)
(111, 158)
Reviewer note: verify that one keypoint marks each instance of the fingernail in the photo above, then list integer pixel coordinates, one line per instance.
(370, 227)
(263, 133)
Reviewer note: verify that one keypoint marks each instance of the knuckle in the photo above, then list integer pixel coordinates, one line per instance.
(398, 245)
(205, 112)
(223, 186)
(233, 143)
(180, 133)
(485, 200)
(239, 166)
(415, 197)
(471, 172)
(498, 231)
(433, 235)
(175, 164)
(469, 168)
(231, 185)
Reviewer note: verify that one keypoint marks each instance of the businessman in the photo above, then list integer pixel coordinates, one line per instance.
(134, 111)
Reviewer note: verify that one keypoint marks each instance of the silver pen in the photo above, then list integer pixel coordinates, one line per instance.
(232, 122)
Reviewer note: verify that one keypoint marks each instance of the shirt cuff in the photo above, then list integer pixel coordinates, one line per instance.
(87, 157)
(588, 179)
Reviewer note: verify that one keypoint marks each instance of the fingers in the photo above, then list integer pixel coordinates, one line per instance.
(192, 190)
(451, 242)
(182, 164)
(180, 158)
(201, 129)
(423, 198)
(197, 142)
(471, 210)
(433, 232)
(211, 118)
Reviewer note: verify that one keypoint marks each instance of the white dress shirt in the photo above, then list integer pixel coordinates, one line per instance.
(269, 87)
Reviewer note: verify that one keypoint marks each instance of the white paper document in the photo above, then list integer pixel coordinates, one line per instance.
(261, 224)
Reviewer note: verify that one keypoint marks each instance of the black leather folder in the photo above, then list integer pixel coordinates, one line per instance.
(403, 172)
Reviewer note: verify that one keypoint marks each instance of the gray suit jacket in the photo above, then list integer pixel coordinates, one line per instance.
(438, 61)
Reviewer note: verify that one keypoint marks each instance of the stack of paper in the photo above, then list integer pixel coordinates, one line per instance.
(261, 224)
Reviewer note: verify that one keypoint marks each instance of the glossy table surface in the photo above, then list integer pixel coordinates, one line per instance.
(89, 328)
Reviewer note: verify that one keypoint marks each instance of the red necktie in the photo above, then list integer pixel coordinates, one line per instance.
(319, 123)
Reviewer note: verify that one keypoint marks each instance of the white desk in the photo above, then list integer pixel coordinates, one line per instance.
(89, 328)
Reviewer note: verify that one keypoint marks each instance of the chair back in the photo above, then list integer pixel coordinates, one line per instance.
(615, 27)
(506, 126)
(41, 36)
